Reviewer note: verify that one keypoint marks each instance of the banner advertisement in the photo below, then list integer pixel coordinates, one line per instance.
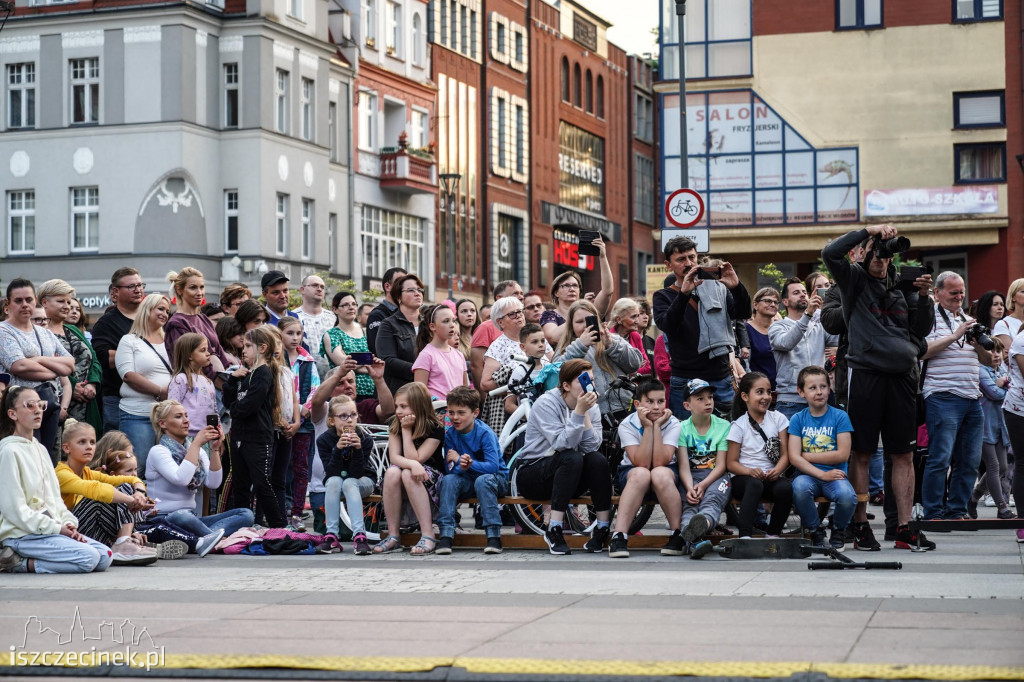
(946, 201)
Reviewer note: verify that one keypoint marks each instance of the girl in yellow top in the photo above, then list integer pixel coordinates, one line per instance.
(107, 507)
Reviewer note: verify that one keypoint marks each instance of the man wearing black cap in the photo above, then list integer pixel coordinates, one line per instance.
(275, 293)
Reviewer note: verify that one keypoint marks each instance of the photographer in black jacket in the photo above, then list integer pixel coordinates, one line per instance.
(885, 338)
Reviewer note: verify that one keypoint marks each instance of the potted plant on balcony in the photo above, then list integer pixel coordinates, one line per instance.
(371, 41)
(390, 50)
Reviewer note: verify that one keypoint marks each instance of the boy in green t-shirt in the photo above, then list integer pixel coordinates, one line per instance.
(705, 482)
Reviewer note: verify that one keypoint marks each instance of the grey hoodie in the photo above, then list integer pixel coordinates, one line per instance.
(553, 427)
(624, 359)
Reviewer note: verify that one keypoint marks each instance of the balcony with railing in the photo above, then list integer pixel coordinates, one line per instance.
(406, 170)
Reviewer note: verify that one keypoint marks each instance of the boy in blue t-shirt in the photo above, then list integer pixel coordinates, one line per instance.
(819, 447)
(475, 468)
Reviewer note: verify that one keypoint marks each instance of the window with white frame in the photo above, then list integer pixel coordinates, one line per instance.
(510, 133)
(473, 31)
(332, 130)
(419, 138)
(464, 29)
(307, 228)
(21, 222)
(394, 46)
(390, 240)
(370, 22)
(368, 121)
(85, 90)
(501, 135)
(417, 39)
(281, 99)
(717, 37)
(281, 218)
(85, 218)
(295, 9)
(231, 95)
(21, 95)
(520, 140)
(643, 189)
(453, 25)
(977, 10)
(231, 221)
(456, 25)
(308, 96)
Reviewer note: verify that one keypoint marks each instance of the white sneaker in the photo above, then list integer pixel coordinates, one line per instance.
(1012, 502)
(988, 501)
(128, 553)
(208, 542)
(297, 524)
(170, 549)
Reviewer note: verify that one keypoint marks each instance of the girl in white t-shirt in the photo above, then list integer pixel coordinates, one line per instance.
(757, 455)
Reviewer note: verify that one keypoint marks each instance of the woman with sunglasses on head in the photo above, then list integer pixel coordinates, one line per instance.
(396, 335)
(37, 532)
(766, 307)
(34, 358)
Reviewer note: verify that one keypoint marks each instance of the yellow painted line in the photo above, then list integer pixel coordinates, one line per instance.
(547, 667)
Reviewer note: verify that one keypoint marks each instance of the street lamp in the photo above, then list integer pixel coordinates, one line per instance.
(684, 160)
(449, 189)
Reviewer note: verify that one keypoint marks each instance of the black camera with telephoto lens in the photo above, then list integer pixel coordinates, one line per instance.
(886, 248)
(979, 334)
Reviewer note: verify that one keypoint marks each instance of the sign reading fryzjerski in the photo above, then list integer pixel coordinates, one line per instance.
(947, 201)
(581, 169)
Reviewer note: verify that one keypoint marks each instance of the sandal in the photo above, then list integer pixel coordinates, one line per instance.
(421, 548)
(389, 544)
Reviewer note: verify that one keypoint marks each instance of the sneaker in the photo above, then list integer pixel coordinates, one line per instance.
(10, 560)
(972, 508)
(878, 499)
(890, 533)
(818, 537)
(700, 549)
(675, 545)
(598, 539)
(330, 545)
(1006, 513)
(208, 542)
(297, 524)
(907, 539)
(444, 546)
(493, 546)
(863, 538)
(1020, 539)
(556, 543)
(618, 548)
(696, 528)
(129, 554)
(987, 501)
(360, 547)
(170, 549)
(837, 540)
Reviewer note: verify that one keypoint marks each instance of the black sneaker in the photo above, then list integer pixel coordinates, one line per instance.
(700, 549)
(443, 546)
(360, 546)
(675, 545)
(907, 539)
(837, 539)
(598, 539)
(556, 543)
(618, 548)
(972, 508)
(863, 538)
(696, 528)
(330, 545)
(493, 546)
(890, 533)
(818, 537)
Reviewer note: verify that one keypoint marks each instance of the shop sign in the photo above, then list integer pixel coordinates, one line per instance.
(553, 214)
(95, 302)
(581, 169)
(946, 201)
(567, 251)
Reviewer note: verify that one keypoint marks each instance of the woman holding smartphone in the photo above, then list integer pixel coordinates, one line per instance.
(345, 338)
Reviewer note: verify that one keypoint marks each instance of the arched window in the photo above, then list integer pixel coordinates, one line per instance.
(577, 87)
(600, 96)
(565, 80)
(590, 92)
(417, 37)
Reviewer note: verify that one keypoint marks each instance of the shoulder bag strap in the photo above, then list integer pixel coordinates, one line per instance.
(146, 341)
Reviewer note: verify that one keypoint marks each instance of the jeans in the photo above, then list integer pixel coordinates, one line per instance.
(806, 488)
(140, 432)
(789, 408)
(353, 490)
(487, 488)
(298, 474)
(954, 440)
(61, 554)
(724, 394)
(230, 521)
(876, 483)
(111, 412)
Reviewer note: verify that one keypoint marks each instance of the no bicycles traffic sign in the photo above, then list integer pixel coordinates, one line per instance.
(684, 208)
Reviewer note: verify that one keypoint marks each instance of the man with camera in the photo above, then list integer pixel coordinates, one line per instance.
(695, 312)
(951, 390)
(885, 340)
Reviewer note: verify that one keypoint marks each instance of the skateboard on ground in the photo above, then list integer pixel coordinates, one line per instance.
(764, 548)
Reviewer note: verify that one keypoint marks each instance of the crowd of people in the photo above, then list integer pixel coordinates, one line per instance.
(174, 423)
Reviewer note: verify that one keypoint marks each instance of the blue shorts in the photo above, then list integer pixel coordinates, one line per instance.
(622, 473)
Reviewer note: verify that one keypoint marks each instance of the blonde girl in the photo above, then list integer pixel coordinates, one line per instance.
(189, 385)
(415, 445)
(252, 396)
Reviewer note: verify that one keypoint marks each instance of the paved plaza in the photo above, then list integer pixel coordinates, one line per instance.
(532, 613)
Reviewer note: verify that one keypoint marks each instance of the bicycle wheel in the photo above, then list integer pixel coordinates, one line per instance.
(643, 515)
(532, 517)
